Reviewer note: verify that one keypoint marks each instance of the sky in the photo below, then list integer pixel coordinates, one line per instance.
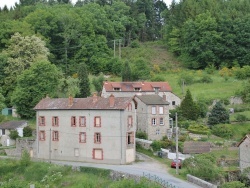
(10, 3)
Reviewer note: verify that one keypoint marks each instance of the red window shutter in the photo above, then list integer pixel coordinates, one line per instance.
(39, 121)
(44, 120)
(80, 121)
(53, 121)
(57, 121)
(95, 138)
(93, 153)
(100, 137)
(94, 121)
(132, 137)
(100, 121)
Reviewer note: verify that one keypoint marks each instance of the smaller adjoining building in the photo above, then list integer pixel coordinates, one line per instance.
(244, 152)
(130, 89)
(5, 129)
(152, 116)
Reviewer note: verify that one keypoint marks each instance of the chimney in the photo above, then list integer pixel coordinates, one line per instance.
(164, 97)
(70, 100)
(111, 100)
(94, 97)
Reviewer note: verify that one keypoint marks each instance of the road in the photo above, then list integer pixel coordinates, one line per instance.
(145, 165)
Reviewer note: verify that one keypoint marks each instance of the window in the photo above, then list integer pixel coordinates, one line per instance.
(161, 121)
(55, 121)
(137, 89)
(41, 135)
(130, 121)
(98, 154)
(3, 131)
(76, 151)
(173, 103)
(117, 89)
(157, 132)
(41, 121)
(97, 138)
(55, 136)
(130, 138)
(129, 107)
(97, 121)
(153, 121)
(161, 110)
(82, 137)
(73, 121)
(82, 121)
(153, 110)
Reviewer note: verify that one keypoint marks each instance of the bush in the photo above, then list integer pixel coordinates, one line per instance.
(199, 129)
(135, 44)
(187, 78)
(206, 79)
(241, 117)
(233, 184)
(158, 78)
(25, 159)
(27, 131)
(14, 135)
(222, 131)
(141, 135)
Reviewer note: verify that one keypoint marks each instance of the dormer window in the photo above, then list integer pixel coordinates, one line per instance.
(156, 90)
(137, 89)
(117, 89)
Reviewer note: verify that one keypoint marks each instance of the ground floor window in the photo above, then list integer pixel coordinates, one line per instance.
(98, 154)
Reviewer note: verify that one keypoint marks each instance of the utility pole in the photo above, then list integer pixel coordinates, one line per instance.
(49, 145)
(120, 48)
(177, 152)
(114, 47)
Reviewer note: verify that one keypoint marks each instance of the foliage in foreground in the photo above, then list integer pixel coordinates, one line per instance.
(19, 174)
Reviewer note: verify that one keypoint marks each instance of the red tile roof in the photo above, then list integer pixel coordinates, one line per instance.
(145, 86)
(83, 103)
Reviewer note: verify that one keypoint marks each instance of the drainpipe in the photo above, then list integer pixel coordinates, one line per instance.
(121, 134)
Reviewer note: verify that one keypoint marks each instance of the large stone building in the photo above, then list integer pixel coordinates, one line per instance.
(152, 116)
(129, 89)
(93, 129)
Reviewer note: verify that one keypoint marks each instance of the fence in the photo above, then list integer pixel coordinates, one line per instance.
(156, 179)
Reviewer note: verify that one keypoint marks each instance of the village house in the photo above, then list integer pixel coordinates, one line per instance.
(7, 127)
(129, 89)
(93, 129)
(244, 152)
(152, 116)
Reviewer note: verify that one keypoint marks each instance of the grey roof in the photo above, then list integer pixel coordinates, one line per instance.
(191, 147)
(90, 103)
(152, 99)
(12, 124)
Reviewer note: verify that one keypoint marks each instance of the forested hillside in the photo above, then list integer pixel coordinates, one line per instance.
(48, 47)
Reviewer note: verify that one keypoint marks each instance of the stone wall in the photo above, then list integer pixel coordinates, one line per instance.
(144, 143)
(200, 182)
(21, 145)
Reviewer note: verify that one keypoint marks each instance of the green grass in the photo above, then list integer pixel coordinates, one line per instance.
(234, 115)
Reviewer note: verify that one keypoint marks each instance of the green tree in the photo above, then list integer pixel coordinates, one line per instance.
(83, 81)
(68, 86)
(189, 108)
(27, 131)
(218, 115)
(33, 84)
(126, 72)
(98, 83)
(13, 134)
(22, 53)
(2, 100)
(245, 93)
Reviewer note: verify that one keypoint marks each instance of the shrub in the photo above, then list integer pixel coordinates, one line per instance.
(187, 78)
(206, 79)
(158, 78)
(27, 131)
(25, 159)
(233, 184)
(199, 129)
(222, 131)
(135, 44)
(241, 117)
(14, 135)
(141, 135)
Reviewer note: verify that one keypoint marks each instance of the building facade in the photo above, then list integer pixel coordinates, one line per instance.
(152, 116)
(93, 129)
(244, 152)
(129, 89)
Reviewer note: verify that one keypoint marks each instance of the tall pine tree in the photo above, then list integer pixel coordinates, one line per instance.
(218, 115)
(84, 84)
(189, 108)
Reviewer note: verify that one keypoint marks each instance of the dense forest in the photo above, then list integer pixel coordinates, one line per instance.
(44, 43)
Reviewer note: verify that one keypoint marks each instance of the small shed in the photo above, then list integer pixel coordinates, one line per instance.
(5, 129)
(191, 147)
(7, 111)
